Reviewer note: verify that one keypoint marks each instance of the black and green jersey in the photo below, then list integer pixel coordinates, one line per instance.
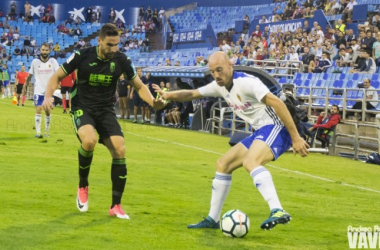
(97, 78)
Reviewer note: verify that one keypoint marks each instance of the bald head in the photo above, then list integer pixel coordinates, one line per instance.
(221, 69)
(219, 56)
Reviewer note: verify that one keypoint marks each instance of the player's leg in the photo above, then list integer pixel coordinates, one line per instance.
(85, 129)
(271, 142)
(63, 92)
(127, 111)
(136, 104)
(8, 89)
(121, 107)
(147, 113)
(142, 108)
(169, 118)
(37, 117)
(23, 94)
(19, 88)
(47, 123)
(112, 137)
(2, 90)
(221, 184)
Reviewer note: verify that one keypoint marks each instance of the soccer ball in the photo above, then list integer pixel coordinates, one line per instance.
(235, 223)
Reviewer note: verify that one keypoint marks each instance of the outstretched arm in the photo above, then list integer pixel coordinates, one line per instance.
(52, 86)
(145, 94)
(179, 95)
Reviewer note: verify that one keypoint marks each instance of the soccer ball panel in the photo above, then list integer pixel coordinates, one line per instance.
(235, 223)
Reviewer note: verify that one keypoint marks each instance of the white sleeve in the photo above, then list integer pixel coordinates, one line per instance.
(257, 89)
(31, 70)
(211, 89)
(55, 65)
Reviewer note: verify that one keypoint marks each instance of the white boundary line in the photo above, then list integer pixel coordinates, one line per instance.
(275, 167)
(218, 153)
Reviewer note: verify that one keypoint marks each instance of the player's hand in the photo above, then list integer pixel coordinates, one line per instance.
(310, 129)
(300, 146)
(158, 104)
(47, 105)
(158, 90)
(322, 113)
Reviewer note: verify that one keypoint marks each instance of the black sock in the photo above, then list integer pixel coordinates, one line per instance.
(119, 178)
(85, 159)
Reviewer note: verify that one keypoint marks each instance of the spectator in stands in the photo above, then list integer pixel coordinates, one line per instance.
(88, 14)
(27, 8)
(144, 48)
(112, 15)
(256, 32)
(168, 62)
(323, 64)
(177, 63)
(347, 13)
(340, 26)
(323, 125)
(369, 66)
(78, 32)
(98, 16)
(376, 50)
(349, 36)
(340, 39)
(32, 42)
(13, 14)
(354, 45)
(17, 51)
(225, 47)
(335, 6)
(343, 58)
(313, 48)
(352, 56)
(263, 20)
(297, 14)
(376, 21)
(307, 57)
(308, 3)
(306, 27)
(56, 49)
(42, 10)
(368, 41)
(319, 51)
(328, 48)
(371, 97)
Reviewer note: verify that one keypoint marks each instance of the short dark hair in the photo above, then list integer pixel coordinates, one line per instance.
(108, 29)
(337, 107)
(45, 44)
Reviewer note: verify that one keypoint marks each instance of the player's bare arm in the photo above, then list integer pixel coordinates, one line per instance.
(145, 94)
(178, 95)
(52, 86)
(299, 144)
(27, 81)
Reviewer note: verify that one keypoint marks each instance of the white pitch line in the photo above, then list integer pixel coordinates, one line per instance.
(284, 169)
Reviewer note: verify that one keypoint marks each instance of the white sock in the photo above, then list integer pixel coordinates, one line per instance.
(264, 183)
(220, 188)
(47, 122)
(37, 120)
(9, 91)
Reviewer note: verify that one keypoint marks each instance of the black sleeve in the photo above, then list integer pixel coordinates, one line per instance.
(72, 63)
(129, 70)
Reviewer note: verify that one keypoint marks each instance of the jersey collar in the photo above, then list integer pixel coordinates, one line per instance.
(97, 54)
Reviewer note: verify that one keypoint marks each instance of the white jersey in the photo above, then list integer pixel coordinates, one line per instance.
(245, 99)
(42, 71)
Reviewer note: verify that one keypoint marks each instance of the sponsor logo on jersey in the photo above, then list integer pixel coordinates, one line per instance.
(238, 96)
(100, 80)
(93, 64)
(112, 67)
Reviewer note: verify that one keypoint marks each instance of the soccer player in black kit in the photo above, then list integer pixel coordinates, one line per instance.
(98, 70)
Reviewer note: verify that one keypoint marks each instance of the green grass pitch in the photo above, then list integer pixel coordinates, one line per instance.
(169, 186)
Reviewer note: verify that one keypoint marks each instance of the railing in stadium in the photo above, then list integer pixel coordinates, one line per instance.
(277, 68)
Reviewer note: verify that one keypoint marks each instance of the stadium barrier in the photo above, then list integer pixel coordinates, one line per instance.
(277, 68)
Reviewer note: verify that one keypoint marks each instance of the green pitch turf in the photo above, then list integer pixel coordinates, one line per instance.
(169, 186)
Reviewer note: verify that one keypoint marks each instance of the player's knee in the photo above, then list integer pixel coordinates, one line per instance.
(221, 166)
(119, 151)
(88, 143)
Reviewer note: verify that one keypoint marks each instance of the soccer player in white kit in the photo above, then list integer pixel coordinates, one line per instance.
(42, 69)
(274, 133)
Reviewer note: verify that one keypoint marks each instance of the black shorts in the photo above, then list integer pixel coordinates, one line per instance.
(137, 101)
(104, 122)
(19, 88)
(65, 89)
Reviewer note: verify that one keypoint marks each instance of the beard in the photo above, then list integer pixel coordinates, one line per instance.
(44, 56)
